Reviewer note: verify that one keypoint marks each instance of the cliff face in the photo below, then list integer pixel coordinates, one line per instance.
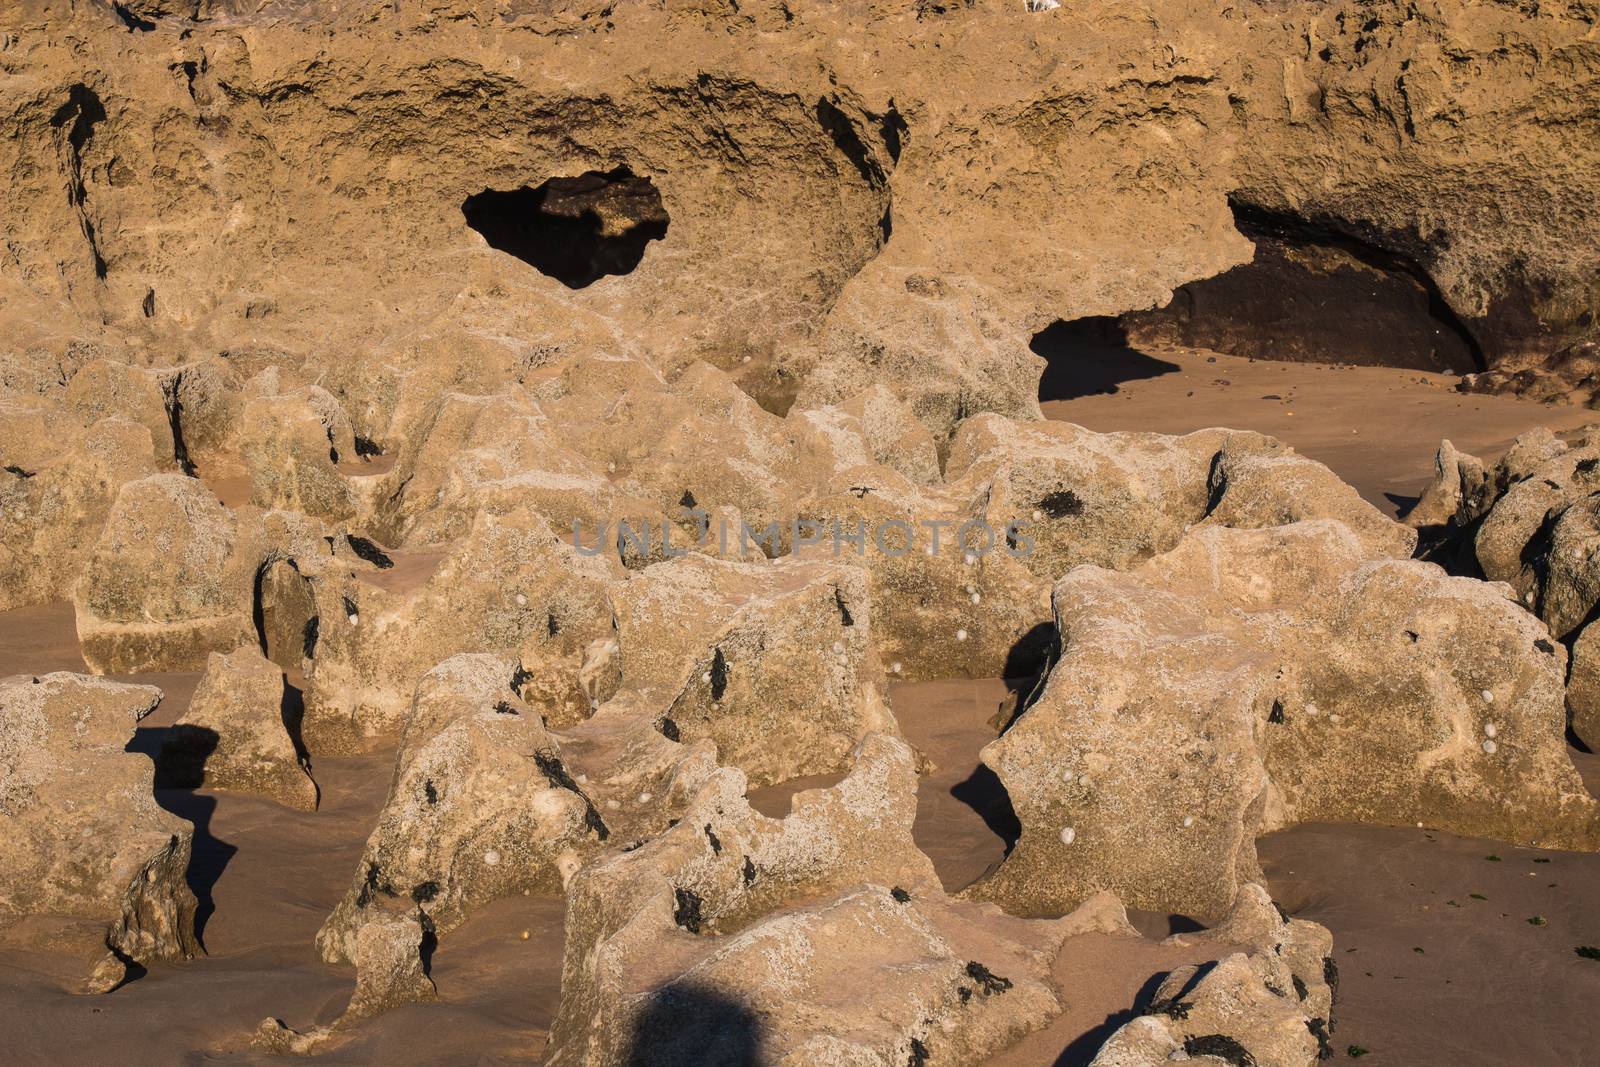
(898, 192)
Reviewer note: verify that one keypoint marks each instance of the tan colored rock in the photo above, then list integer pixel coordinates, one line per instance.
(84, 835)
(164, 586)
(480, 807)
(234, 734)
(508, 586)
(106, 389)
(1250, 680)
(774, 662)
(811, 912)
(51, 516)
(389, 969)
(289, 444)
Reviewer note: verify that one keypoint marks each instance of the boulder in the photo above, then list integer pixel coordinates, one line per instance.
(163, 587)
(481, 806)
(733, 937)
(51, 515)
(509, 586)
(238, 734)
(84, 835)
(774, 662)
(1252, 679)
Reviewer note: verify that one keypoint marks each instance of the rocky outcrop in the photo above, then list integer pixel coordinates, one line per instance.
(1529, 521)
(84, 836)
(509, 586)
(238, 733)
(1249, 680)
(733, 935)
(163, 587)
(1270, 1004)
(480, 807)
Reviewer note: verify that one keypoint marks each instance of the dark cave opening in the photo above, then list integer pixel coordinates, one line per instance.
(576, 230)
(1315, 294)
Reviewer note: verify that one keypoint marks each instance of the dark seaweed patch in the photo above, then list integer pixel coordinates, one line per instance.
(989, 982)
(844, 610)
(716, 843)
(900, 894)
(555, 773)
(719, 675)
(369, 551)
(1061, 504)
(749, 872)
(669, 730)
(423, 892)
(686, 913)
(1276, 715)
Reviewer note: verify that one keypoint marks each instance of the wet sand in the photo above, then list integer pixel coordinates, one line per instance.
(1377, 427)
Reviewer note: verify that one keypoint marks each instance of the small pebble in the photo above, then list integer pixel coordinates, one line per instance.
(523, 935)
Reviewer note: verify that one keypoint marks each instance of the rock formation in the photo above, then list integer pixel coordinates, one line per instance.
(1249, 680)
(84, 837)
(595, 407)
(238, 732)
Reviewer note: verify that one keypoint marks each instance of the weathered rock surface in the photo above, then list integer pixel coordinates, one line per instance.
(480, 807)
(1251, 679)
(238, 733)
(509, 586)
(1529, 521)
(1271, 1004)
(774, 662)
(84, 836)
(732, 937)
(163, 587)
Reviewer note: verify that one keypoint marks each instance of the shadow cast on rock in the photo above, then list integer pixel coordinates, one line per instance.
(686, 1024)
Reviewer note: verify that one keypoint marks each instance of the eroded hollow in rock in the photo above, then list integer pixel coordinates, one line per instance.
(576, 230)
(1316, 295)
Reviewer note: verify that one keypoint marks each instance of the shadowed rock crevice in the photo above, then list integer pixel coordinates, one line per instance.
(1315, 294)
(1091, 355)
(576, 230)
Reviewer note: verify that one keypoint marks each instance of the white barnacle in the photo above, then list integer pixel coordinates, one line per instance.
(977, 599)
(1037, 515)
(1335, 717)
(491, 858)
(961, 635)
(1490, 729)
(1188, 821)
(1311, 709)
(894, 668)
(1067, 834)
(1489, 747)
(354, 619)
(838, 646)
(969, 559)
(522, 601)
(1488, 697)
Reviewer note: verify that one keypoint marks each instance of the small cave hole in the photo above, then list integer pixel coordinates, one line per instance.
(576, 230)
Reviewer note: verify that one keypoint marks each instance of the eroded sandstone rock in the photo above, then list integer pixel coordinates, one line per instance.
(235, 735)
(84, 835)
(732, 937)
(1251, 679)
